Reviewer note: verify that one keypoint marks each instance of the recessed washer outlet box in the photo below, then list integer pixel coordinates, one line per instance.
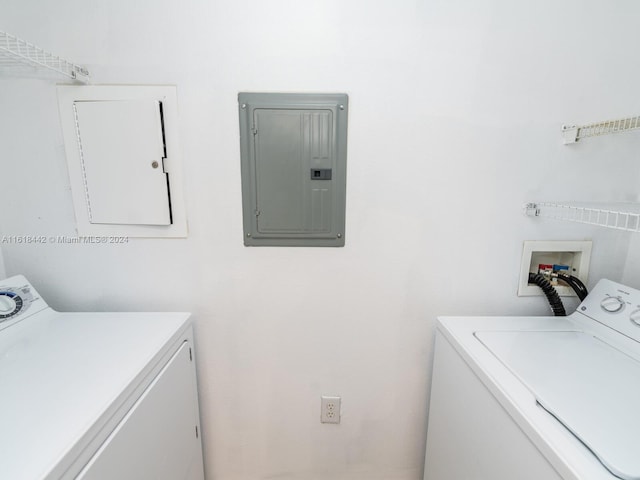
(574, 254)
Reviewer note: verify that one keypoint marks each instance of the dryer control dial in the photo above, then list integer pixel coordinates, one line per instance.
(635, 317)
(612, 304)
(10, 304)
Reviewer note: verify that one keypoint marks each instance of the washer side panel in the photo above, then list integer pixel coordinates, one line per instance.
(470, 435)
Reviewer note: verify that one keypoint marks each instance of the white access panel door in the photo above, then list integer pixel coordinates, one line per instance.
(158, 437)
(122, 152)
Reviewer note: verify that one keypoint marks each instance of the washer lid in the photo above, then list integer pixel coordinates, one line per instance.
(591, 387)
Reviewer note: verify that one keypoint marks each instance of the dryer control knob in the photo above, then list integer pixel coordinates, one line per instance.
(635, 317)
(7, 304)
(612, 304)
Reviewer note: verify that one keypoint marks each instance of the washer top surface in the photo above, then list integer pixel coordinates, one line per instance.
(583, 382)
(65, 375)
(570, 383)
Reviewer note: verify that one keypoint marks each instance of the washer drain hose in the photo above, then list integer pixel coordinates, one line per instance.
(554, 299)
(576, 284)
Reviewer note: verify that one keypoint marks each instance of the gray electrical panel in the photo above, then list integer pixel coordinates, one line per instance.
(294, 154)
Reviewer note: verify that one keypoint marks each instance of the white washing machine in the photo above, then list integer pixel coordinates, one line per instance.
(95, 396)
(539, 398)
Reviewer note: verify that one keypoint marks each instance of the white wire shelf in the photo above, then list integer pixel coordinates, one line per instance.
(618, 216)
(15, 52)
(573, 133)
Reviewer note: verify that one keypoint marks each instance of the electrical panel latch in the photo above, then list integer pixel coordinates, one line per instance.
(320, 174)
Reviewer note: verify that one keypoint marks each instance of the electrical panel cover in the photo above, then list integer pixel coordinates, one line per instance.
(293, 153)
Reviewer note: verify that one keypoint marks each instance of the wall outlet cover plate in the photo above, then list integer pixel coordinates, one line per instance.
(330, 409)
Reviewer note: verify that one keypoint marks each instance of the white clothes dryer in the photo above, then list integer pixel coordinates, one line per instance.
(95, 396)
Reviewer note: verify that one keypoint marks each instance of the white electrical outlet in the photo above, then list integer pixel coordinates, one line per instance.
(574, 254)
(329, 409)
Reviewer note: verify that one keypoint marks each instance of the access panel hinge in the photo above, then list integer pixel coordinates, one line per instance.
(196, 431)
(190, 355)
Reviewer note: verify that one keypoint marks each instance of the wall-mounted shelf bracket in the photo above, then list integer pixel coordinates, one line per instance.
(617, 216)
(569, 134)
(531, 209)
(573, 133)
(15, 52)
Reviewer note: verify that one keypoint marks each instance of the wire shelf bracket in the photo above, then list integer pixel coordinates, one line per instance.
(573, 133)
(624, 217)
(16, 52)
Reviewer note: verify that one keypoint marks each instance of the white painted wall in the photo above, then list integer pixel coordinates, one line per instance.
(631, 274)
(455, 115)
(3, 273)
